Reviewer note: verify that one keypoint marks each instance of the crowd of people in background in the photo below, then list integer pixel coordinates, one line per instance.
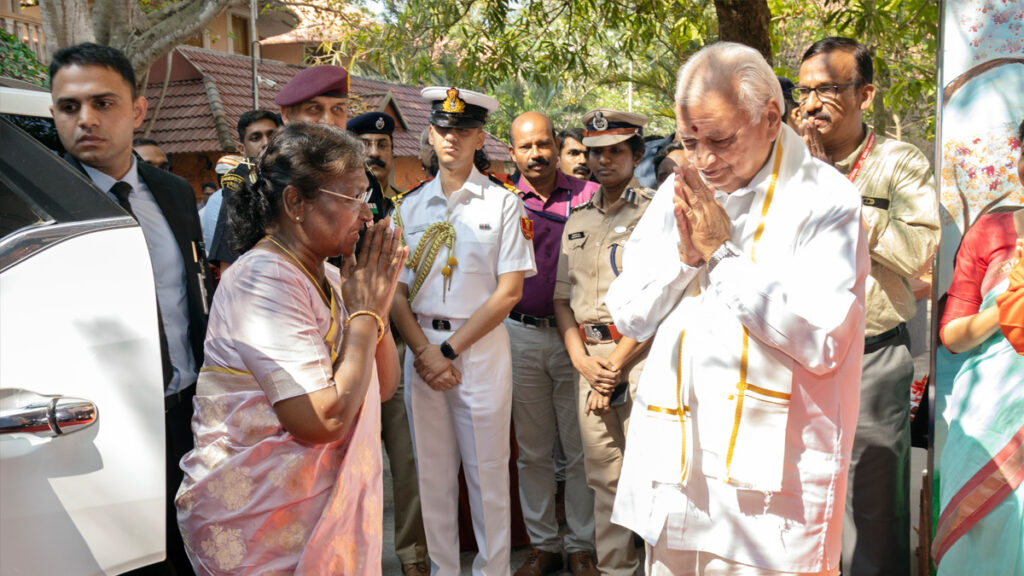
(697, 342)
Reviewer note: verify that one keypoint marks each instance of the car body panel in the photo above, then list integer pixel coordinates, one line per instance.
(77, 325)
(78, 319)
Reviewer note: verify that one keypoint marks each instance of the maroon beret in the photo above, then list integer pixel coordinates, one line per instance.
(316, 81)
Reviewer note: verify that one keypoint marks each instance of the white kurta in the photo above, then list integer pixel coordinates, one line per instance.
(764, 485)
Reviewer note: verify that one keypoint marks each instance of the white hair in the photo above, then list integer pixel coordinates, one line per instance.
(734, 69)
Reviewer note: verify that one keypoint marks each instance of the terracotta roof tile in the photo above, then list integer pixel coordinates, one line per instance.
(190, 112)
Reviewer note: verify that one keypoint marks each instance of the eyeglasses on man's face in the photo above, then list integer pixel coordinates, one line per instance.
(362, 197)
(825, 92)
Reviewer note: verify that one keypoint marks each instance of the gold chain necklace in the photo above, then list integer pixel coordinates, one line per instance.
(302, 266)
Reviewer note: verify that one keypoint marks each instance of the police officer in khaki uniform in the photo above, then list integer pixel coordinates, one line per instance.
(609, 364)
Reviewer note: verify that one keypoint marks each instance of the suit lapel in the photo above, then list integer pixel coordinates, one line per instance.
(173, 213)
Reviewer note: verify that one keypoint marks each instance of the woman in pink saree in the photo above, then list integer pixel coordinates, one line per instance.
(285, 477)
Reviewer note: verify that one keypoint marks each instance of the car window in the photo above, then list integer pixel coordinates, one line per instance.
(44, 200)
(62, 192)
(17, 211)
(42, 129)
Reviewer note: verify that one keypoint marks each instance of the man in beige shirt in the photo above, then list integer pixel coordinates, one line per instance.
(900, 212)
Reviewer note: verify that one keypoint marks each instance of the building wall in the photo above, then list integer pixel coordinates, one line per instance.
(408, 173)
(196, 168)
(288, 53)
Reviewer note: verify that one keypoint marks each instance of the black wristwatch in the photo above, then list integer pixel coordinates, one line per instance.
(446, 350)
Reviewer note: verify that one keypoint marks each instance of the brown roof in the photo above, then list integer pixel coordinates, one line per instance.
(210, 90)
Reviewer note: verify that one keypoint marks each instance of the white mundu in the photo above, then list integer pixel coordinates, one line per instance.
(743, 421)
(470, 422)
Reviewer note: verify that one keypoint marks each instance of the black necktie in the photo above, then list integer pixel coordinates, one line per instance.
(121, 190)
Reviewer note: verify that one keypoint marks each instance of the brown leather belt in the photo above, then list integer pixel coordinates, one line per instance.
(599, 333)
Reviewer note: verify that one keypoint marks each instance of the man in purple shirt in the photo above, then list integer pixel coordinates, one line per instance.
(543, 378)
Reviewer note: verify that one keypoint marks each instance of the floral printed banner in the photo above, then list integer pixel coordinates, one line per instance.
(981, 75)
(982, 79)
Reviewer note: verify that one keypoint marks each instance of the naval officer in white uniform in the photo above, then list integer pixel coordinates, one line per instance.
(470, 251)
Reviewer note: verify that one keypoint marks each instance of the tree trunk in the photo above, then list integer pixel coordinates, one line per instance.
(65, 22)
(166, 29)
(122, 24)
(746, 22)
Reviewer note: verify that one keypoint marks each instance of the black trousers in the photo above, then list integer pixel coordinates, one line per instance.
(876, 526)
(178, 441)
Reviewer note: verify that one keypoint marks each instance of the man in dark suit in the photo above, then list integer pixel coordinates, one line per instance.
(96, 108)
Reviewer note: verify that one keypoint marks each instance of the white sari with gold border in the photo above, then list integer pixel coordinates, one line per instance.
(255, 500)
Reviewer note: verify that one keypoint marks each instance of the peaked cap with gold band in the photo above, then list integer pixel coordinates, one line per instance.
(605, 126)
(455, 108)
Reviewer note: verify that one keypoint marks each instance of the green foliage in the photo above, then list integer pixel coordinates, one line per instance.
(902, 35)
(18, 61)
(567, 56)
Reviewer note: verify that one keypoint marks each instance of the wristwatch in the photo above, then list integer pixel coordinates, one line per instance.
(720, 253)
(447, 352)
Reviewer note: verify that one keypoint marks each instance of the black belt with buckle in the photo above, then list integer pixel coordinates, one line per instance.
(879, 338)
(441, 324)
(175, 399)
(538, 321)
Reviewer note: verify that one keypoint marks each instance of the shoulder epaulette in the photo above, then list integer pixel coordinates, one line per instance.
(507, 185)
(413, 189)
(396, 201)
(634, 194)
(581, 206)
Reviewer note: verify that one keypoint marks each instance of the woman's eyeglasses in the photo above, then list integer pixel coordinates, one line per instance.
(362, 198)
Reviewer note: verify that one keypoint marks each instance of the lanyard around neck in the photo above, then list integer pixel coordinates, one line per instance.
(863, 155)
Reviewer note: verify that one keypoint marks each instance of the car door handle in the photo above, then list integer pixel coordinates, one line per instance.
(49, 416)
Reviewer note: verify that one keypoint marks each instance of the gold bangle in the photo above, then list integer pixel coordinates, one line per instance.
(380, 322)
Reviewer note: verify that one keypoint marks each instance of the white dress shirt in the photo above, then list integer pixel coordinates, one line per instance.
(168, 271)
(208, 216)
(489, 242)
(798, 292)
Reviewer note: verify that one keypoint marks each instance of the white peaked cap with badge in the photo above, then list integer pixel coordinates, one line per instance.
(456, 108)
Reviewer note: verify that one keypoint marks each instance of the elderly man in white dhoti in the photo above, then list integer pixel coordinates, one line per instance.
(748, 270)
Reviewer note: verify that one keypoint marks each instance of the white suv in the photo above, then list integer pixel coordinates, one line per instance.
(81, 393)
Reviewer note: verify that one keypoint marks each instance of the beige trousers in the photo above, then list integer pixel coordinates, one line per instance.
(544, 407)
(604, 441)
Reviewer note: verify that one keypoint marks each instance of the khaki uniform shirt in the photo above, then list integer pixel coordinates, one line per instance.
(592, 246)
(901, 214)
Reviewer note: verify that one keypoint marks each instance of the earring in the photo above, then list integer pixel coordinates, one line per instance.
(298, 219)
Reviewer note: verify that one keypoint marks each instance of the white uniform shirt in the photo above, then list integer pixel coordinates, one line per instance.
(489, 241)
(803, 304)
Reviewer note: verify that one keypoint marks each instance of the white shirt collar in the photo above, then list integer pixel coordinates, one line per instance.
(104, 181)
(473, 185)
